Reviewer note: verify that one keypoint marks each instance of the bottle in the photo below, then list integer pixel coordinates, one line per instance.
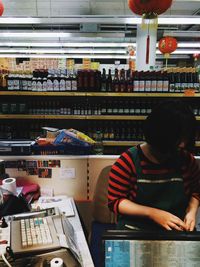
(98, 146)
(103, 81)
(116, 84)
(109, 82)
(74, 81)
(122, 81)
(62, 81)
(129, 81)
(91, 81)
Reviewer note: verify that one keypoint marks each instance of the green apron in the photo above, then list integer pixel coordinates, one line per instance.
(157, 191)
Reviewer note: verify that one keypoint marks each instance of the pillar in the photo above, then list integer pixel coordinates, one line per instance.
(141, 47)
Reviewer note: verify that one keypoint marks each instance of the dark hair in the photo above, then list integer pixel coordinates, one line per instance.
(170, 123)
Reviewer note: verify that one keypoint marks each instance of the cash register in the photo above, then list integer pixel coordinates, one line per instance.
(34, 239)
(15, 147)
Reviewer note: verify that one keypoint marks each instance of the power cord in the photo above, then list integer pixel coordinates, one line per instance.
(5, 260)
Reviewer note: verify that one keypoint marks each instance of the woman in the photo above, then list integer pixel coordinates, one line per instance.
(156, 185)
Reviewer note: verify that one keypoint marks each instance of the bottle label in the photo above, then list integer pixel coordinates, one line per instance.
(74, 85)
(141, 86)
(56, 85)
(16, 84)
(159, 86)
(153, 86)
(10, 84)
(68, 85)
(49, 85)
(44, 86)
(34, 88)
(148, 86)
(24, 85)
(136, 86)
(103, 87)
(39, 86)
(62, 85)
(165, 86)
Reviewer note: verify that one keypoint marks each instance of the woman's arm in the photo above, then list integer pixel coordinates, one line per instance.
(165, 219)
(191, 213)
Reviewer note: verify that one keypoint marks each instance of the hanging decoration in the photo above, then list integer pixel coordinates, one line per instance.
(167, 45)
(149, 10)
(131, 61)
(1, 8)
(196, 56)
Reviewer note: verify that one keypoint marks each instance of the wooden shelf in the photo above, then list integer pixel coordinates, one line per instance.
(121, 143)
(70, 117)
(75, 117)
(132, 143)
(90, 94)
(25, 93)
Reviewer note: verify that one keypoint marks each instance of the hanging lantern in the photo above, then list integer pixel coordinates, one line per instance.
(149, 8)
(167, 45)
(131, 50)
(1, 8)
(196, 56)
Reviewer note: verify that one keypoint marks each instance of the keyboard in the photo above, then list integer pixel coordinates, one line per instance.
(35, 231)
(34, 235)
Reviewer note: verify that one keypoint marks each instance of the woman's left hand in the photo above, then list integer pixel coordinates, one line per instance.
(190, 220)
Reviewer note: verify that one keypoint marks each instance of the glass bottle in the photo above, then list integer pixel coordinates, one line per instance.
(98, 146)
(103, 81)
(116, 84)
(109, 82)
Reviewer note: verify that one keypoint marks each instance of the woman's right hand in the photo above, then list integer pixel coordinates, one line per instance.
(167, 220)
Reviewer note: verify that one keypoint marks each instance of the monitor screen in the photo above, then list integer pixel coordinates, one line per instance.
(151, 249)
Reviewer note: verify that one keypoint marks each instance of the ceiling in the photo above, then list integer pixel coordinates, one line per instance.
(107, 24)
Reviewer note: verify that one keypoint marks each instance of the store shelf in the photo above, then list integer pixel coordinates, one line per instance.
(71, 117)
(25, 93)
(97, 94)
(121, 143)
(131, 143)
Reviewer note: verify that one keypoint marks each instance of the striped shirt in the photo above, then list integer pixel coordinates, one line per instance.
(123, 178)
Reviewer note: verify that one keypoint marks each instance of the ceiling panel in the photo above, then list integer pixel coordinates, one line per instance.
(77, 8)
(86, 7)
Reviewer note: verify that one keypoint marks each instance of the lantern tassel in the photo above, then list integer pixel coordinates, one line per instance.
(147, 49)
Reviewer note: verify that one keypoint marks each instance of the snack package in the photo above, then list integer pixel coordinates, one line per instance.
(73, 137)
(82, 136)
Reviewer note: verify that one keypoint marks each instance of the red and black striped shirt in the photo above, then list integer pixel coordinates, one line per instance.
(123, 178)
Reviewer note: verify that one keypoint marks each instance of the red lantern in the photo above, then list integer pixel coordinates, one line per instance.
(1, 8)
(196, 56)
(167, 45)
(149, 8)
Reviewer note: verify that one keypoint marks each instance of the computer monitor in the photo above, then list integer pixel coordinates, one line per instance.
(150, 249)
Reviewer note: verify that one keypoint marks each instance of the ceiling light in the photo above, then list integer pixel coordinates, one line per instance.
(186, 34)
(77, 44)
(65, 56)
(162, 20)
(64, 51)
(183, 51)
(56, 34)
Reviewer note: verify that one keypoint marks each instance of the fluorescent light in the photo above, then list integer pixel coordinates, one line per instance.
(64, 56)
(178, 20)
(57, 34)
(34, 34)
(65, 51)
(77, 44)
(102, 19)
(187, 44)
(183, 51)
(108, 56)
(186, 34)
